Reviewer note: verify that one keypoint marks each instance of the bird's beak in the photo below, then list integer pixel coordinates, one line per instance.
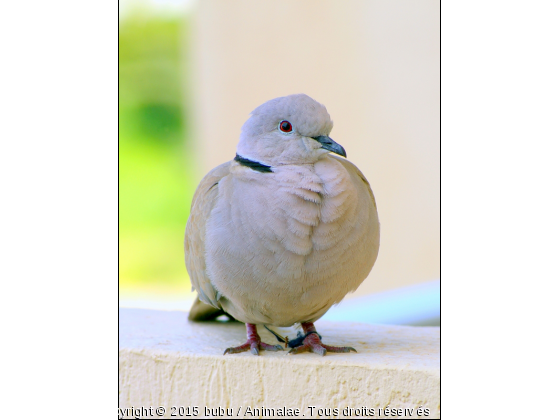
(329, 144)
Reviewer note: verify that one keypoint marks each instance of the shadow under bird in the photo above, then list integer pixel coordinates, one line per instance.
(283, 231)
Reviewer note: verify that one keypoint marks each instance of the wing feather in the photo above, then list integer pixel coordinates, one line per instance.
(203, 202)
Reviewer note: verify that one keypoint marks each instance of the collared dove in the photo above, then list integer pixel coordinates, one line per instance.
(283, 231)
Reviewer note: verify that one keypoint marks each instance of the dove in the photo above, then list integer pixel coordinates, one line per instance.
(283, 231)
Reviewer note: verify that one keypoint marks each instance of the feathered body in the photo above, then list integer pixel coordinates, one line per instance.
(282, 247)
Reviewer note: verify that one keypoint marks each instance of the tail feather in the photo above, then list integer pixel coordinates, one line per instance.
(201, 311)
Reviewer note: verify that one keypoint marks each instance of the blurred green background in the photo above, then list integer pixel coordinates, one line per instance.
(156, 174)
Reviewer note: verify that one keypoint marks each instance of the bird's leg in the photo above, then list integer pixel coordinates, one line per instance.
(253, 343)
(312, 342)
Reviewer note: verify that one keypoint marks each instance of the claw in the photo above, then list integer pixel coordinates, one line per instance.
(255, 351)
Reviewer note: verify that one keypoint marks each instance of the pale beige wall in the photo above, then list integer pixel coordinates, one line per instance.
(373, 64)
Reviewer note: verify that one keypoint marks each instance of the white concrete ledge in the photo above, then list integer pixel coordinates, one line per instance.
(166, 361)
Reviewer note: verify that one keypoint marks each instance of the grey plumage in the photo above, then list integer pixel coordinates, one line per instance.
(281, 247)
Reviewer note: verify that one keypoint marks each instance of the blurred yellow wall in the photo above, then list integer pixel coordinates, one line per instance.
(373, 64)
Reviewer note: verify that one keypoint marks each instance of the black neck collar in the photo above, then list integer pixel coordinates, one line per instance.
(256, 166)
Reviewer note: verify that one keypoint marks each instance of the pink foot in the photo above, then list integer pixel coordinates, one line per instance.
(313, 343)
(253, 343)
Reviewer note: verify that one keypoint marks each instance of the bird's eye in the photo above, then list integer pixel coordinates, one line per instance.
(285, 126)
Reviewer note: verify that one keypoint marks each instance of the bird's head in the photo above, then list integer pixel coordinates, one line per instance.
(289, 130)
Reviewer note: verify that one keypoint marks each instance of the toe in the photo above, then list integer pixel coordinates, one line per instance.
(269, 347)
(299, 349)
(320, 350)
(334, 349)
(238, 349)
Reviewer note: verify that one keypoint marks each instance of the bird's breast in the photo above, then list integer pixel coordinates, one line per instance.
(298, 235)
(292, 219)
(311, 203)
